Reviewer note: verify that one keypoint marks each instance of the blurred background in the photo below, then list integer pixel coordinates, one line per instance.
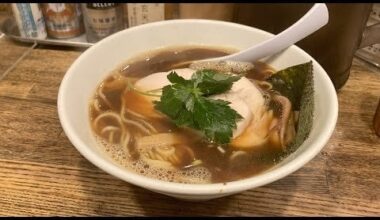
(333, 46)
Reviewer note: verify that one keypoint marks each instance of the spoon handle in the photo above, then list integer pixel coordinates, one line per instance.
(314, 19)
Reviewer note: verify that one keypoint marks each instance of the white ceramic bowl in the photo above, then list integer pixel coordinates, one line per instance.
(93, 65)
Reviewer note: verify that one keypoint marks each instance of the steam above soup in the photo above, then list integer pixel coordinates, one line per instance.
(205, 122)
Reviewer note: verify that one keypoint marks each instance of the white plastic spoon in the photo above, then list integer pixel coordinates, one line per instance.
(314, 19)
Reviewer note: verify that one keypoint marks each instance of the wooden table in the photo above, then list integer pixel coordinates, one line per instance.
(42, 174)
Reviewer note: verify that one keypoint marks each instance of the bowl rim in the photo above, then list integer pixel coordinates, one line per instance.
(195, 189)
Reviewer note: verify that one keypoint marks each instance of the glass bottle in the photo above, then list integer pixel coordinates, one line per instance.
(63, 20)
(142, 13)
(102, 20)
(29, 20)
(376, 120)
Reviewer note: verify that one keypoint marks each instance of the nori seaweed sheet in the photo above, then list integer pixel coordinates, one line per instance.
(297, 84)
(306, 114)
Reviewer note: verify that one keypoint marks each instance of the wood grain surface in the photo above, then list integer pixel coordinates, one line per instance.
(42, 174)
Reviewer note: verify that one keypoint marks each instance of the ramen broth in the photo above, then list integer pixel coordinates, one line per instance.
(126, 110)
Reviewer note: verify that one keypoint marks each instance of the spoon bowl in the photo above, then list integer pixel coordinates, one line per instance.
(313, 20)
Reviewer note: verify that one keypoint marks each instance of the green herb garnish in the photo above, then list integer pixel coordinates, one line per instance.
(187, 103)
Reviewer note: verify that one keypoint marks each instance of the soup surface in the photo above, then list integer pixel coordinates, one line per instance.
(132, 132)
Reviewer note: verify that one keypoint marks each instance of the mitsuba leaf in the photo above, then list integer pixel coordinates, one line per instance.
(174, 78)
(215, 118)
(211, 82)
(186, 103)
